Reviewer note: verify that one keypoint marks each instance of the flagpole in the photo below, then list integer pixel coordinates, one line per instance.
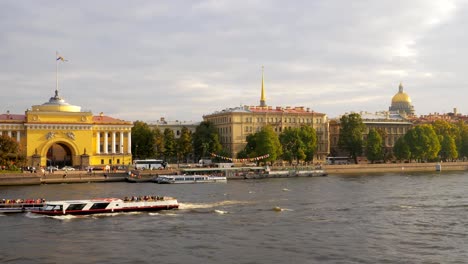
(56, 70)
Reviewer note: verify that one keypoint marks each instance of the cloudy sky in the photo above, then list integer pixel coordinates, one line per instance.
(142, 60)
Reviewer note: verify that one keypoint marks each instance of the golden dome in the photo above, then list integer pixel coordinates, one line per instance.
(401, 97)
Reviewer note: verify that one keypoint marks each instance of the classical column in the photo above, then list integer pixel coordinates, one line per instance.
(129, 143)
(121, 142)
(18, 136)
(9, 133)
(113, 141)
(98, 142)
(106, 142)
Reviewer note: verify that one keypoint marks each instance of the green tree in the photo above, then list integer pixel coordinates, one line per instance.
(10, 155)
(448, 150)
(184, 144)
(292, 145)
(401, 150)
(374, 150)
(351, 129)
(206, 140)
(423, 142)
(267, 142)
(142, 141)
(463, 147)
(158, 139)
(249, 150)
(450, 138)
(298, 143)
(170, 146)
(309, 138)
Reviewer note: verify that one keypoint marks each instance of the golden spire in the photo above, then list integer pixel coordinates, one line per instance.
(262, 97)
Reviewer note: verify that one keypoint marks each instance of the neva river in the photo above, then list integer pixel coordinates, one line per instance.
(386, 218)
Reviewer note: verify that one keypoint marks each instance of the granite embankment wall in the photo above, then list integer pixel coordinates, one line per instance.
(58, 177)
(394, 167)
(83, 177)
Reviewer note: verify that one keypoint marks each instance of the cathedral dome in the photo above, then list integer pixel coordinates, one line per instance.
(401, 102)
(401, 97)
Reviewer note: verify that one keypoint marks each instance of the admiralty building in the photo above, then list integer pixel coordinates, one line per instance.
(58, 133)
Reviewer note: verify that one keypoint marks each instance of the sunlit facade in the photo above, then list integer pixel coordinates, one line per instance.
(57, 133)
(235, 124)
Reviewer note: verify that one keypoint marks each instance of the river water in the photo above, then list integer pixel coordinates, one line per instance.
(384, 218)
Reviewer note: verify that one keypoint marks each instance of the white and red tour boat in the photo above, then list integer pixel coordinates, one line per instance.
(107, 205)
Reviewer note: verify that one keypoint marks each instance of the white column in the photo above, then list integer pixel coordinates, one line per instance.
(113, 141)
(9, 133)
(106, 142)
(129, 144)
(121, 142)
(98, 142)
(18, 136)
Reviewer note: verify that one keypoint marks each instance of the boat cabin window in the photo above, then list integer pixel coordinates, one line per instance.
(76, 206)
(52, 207)
(99, 206)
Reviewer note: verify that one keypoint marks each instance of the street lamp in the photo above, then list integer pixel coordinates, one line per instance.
(123, 155)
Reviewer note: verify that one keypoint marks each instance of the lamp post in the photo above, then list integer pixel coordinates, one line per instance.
(123, 155)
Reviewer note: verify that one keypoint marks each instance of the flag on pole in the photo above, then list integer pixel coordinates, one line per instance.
(61, 58)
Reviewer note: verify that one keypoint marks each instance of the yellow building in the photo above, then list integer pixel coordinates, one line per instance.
(235, 124)
(57, 133)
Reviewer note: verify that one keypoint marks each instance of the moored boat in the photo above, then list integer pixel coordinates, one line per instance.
(107, 205)
(189, 179)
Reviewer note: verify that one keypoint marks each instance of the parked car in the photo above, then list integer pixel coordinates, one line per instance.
(68, 168)
(52, 168)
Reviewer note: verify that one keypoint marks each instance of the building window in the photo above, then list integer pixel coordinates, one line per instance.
(102, 161)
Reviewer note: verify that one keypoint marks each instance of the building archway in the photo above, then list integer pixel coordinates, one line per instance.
(59, 154)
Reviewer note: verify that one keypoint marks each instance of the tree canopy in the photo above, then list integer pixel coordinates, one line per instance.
(374, 151)
(206, 140)
(351, 129)
(142, 141)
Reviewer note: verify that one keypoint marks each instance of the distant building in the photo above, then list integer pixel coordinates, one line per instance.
(393, 124)
(401, 103)
(453, 117)
(176, 126)
(235, 124)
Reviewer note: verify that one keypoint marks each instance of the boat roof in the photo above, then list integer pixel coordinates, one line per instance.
(96, 200)
(222, 169)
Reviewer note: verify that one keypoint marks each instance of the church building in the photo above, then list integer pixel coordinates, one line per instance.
(401, 103)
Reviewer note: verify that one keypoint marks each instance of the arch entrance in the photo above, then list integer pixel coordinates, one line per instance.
(59, 154)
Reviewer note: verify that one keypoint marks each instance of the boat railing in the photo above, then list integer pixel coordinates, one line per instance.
(146, 198)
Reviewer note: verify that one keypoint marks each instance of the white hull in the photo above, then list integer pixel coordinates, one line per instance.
(179, 179)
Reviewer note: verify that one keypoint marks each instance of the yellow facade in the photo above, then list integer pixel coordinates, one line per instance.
(57, 133)
(236, 124)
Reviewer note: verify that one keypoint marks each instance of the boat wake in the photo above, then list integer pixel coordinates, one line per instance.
(190, 206)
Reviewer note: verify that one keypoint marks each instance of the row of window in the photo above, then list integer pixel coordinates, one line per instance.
(285, 120)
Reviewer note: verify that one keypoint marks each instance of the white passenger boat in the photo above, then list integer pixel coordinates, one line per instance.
(107, 205)
(189, 179)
